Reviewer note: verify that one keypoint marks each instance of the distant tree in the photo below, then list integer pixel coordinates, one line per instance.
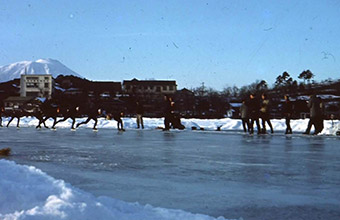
(278, 81)
(235, 91)
(209, 102)
(262, 86)
(283, 80)
(306, 75)
(230, 92)
(293, 87)
(200, 91)
(285, 84)
(255, 87)
(227, 92)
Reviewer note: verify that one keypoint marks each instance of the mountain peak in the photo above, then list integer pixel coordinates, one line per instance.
(40, 66)
(47, 60)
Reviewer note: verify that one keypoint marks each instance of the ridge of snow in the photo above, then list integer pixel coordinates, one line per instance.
(225, 124)
(29, 193)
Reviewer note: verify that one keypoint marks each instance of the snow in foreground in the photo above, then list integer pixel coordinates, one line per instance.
(29, 193)
(226, 124)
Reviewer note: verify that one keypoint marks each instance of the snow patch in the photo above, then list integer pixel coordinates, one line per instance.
(29, 193)
(225, 124)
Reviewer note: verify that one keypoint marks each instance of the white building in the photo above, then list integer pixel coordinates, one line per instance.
(36, 85)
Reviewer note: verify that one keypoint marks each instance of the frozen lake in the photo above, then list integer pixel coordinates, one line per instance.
(215, 173)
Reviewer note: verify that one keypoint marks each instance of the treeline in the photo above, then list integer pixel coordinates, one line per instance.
(199, 102)
(285, 84)
(298, 89)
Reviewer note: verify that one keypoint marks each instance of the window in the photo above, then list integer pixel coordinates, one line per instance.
(32, 78)
(47, 85)
(31, 85)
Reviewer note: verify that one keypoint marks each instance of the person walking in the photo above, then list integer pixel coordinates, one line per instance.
(316, 115)
(320, 117)
(168, 111)
(254, 110)
(244, 113)
(265, 114)
(139, 114)
(287, 111)
(2, 111)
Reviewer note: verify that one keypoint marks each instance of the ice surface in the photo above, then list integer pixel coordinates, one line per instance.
(214, 173)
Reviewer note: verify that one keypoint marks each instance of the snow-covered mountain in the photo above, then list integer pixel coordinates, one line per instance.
(41, 66)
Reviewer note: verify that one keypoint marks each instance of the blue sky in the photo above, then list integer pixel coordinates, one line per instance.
(221, 43)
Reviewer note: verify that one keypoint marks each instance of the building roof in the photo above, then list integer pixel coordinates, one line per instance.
(185, 90)
(105, 85)
(18, 99)
(28, 75)
(149, 82)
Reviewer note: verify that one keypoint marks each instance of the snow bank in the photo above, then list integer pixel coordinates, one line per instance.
(226, 124)
(29, 193)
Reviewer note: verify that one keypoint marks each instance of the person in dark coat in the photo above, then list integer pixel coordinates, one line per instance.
(139, 114)
(2, 111)
(92, 114)
(244, 113)
(117, 116)
(38, 113)
(176, 122)
(287, 111)
(69, 112)
(50, 110)
(15, 113)
(316, 115)
(265, 114)
(254, 113)
(168, 112)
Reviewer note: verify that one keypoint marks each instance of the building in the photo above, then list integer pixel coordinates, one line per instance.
(17, 102)
(75, 86)
(9, 88)
(103, 89)
(144, 87)
(185, 102)
(36, 85)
